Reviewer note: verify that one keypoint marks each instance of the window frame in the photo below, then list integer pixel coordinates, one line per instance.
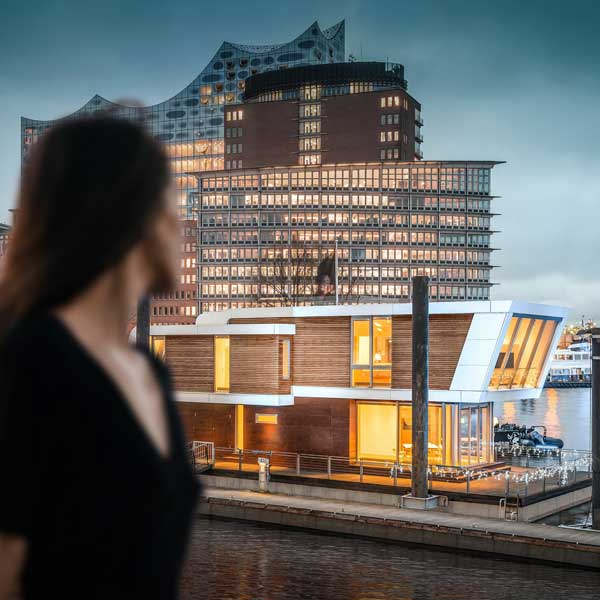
(371, 367)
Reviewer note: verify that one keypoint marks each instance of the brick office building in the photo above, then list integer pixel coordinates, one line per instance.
(337, 113)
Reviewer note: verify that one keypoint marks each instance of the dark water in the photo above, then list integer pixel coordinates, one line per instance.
(243, 561)
(565, 412)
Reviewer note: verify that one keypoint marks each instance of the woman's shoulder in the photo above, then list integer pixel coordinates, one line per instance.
(29, 338)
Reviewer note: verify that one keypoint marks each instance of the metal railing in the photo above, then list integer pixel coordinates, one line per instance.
(202, 454)
(515, 477)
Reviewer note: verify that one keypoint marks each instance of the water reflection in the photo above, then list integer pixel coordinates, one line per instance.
(243, 561)
(565, 413)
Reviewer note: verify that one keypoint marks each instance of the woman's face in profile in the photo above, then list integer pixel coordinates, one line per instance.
(163, 248)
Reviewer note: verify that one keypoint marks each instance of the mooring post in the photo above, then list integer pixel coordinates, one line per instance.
(142, 331)
(420, 384)
(595, 428)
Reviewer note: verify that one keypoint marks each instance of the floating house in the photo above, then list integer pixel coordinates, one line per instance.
(336, 380)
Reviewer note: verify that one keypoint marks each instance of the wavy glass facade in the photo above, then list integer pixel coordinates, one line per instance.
(191, 122)
(191, 125)
(388, 222)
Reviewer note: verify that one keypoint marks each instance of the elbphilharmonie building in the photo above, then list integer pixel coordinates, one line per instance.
(191, 123)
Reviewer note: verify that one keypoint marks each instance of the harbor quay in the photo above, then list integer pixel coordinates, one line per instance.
(465, 533)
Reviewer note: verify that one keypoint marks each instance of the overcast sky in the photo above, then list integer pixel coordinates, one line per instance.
(505, 80)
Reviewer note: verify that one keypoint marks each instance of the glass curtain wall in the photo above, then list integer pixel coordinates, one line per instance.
(457, 434)
(523, 353)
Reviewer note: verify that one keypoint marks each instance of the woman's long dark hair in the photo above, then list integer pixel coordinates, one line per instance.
(89, 191)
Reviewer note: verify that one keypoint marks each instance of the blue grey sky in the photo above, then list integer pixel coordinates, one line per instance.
(507, 80)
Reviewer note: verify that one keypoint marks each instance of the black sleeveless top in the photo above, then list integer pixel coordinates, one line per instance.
(105, 515)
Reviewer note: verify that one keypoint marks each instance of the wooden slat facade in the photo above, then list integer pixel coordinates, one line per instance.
(321, 349)
(447, 335)
(191, 361)
(320, 355)
(254, 364)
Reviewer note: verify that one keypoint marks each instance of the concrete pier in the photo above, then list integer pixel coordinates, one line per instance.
(432, 528)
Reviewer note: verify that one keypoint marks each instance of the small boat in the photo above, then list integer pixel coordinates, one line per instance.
(510, 433)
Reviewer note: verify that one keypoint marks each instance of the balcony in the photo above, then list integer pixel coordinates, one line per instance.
(418, 118)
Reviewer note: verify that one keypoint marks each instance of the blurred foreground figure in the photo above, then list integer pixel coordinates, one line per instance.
(96, 492)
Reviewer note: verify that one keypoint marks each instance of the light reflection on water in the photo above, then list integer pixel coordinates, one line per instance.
(244, 561)
(565, 413)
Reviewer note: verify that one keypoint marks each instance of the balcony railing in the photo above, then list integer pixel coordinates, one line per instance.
(516, 472)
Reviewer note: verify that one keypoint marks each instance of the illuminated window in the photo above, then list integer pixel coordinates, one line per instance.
(285, 359)
(221, 363)
(372, 352)
(157, 346)
(523, 353)
(384, 432)
(265, 419)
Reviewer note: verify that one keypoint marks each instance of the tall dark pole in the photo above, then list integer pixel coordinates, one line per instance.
(420, 384)
(142, 332)
(595, 428)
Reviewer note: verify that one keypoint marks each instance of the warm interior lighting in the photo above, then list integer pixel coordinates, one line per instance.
(381, 426)
(157, 346)
(376, 431)
(523, 353)
(285, 359)
(221, 364)
(239, 426)
(265, 419)
(372, 352)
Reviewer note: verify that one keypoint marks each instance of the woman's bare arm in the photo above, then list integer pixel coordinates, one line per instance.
(13, 549)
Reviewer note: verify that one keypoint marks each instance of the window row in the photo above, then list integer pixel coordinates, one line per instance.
(474, 181)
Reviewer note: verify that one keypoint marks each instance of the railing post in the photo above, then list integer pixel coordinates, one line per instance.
(298, 464)
(361, 470)
(329, 467)
(468, 482)
(526, 485)
(395, 474)
(544, 484)
(507, 486)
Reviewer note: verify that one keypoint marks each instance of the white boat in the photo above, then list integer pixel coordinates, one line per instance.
(571, 366)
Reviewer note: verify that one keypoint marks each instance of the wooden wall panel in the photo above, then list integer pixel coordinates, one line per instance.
(322, 351)
(447, 334)
(401, 351)
(208, 422)
(255, 364)
(191, 361)
(310, 426)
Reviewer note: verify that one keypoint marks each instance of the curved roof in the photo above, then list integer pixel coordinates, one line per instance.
(312, 46)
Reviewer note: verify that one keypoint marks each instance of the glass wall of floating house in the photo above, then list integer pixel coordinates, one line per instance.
(458, 434)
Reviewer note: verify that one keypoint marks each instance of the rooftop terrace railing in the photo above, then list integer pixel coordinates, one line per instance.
(519, 476)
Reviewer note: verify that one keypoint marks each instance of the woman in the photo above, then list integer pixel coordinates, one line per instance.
(96, 493)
